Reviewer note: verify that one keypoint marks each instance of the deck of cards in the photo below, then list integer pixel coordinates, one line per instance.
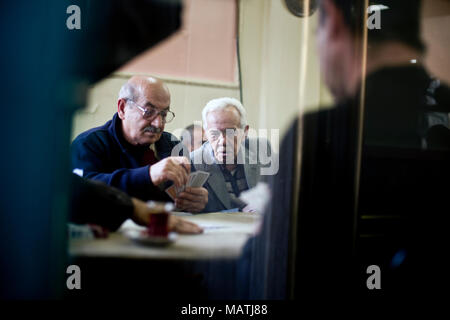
(196, 180)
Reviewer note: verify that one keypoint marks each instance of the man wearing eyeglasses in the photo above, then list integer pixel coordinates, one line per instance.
(228, 155)
(132, 151)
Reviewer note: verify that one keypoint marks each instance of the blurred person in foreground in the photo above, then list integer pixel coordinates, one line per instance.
(96, 203)
(405, 117)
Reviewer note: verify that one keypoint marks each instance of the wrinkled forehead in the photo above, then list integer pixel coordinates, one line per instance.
(221, 119)
(154, 95)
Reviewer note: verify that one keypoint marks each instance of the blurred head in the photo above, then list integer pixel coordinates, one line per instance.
(192, 137)
(143, 107)
(225, 124)
(340, 32)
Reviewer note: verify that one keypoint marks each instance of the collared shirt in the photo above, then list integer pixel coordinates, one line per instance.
(153, 147)
(149, 157)
(235, 182)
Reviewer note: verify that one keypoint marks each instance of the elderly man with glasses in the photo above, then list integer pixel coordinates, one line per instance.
(233, 160)
(132, 151)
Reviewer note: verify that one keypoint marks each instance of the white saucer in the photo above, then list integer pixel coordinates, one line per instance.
(142, 237)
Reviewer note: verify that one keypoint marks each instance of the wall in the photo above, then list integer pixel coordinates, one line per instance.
(280, 70)
(204, 48)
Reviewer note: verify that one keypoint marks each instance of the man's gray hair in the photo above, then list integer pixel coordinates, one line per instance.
(222, 103)
(129, 92)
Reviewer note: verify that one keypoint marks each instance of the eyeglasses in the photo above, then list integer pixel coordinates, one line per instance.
(151, 113)
(215, 134)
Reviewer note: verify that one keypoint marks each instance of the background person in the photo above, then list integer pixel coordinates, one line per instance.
(192, 137)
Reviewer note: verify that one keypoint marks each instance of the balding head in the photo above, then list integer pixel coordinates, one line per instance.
(137, 86)
(139, 93)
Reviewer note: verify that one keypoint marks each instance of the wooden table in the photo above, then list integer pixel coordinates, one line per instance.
(224, 237)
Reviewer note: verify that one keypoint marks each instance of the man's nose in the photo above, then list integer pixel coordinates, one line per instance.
(222, 140)
(157, 121)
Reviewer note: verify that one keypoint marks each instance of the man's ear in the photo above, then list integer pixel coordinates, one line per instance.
(246, 131)
(121, 103)
(335, 22)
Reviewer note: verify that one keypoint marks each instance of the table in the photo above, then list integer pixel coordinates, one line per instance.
(224, 237)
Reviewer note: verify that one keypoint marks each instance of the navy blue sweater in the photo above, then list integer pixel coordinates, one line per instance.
(103, 154)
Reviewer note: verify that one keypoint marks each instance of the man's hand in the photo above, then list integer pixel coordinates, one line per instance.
(180, 225)
(192, 199)
(175, 169)
(249, 208)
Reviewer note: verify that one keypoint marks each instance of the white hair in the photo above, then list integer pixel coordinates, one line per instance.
(129, 92)
(222, 103)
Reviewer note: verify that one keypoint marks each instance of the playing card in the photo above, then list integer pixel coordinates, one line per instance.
(171, 191)
(180, 189)
(199, 179)
(191, 178)
(196, 180)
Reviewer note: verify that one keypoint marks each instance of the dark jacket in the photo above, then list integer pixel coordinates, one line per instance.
(103, 154)
(96, 203)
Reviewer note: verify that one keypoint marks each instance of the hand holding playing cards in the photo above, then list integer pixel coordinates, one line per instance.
(192, 199)
(175, 169)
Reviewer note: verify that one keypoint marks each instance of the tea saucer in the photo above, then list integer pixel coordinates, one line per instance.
(142, 237)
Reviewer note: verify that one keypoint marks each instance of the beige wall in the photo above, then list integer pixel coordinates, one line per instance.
(280, 71)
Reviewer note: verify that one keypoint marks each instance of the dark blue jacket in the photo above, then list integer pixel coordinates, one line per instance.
(103, 154)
